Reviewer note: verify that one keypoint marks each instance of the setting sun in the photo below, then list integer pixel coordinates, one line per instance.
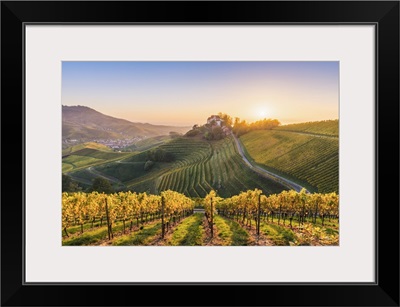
(260, 112)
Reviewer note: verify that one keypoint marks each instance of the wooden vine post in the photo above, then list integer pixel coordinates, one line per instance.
(162, 217)
(258, 215)
(212, 219)
(108, 221)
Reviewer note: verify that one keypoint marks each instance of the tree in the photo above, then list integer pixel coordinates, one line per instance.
(69, 185)
(226, 119)
(174, 134)
(217, 133)
(101, 185)
(241, 127)
(208, 136)
(193, 132)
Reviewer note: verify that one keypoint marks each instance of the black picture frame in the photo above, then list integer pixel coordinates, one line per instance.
(383, 14)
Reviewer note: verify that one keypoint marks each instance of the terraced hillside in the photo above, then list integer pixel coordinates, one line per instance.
(211, 165)
(198, 167)
(308, 158)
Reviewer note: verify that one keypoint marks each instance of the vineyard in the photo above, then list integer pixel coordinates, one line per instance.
(324, 128)
(310, 160)
(198, 167)
(248, 218)
(211, 165)
(306, 153)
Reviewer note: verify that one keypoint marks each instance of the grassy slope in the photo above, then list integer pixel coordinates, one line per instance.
(311, 159)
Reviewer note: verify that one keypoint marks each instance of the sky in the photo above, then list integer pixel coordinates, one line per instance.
(186, 93)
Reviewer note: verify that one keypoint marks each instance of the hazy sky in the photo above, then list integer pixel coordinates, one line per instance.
(186, 93)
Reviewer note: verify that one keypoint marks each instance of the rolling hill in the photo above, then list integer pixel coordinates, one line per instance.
(85, 124)
(307, 153)
(324, 127)
(198, 166)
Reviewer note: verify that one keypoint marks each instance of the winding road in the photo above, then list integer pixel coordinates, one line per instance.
(259, 170)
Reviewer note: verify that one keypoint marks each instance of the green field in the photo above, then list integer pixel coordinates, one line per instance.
(82, 156)
(311, 160)
(75, 161)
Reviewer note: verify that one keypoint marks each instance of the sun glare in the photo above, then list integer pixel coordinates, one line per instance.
(261, 113)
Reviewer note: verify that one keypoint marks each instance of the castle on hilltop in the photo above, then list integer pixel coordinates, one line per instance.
(215, 120)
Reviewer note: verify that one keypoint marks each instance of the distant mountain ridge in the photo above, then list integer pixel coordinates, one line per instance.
(83, 124)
